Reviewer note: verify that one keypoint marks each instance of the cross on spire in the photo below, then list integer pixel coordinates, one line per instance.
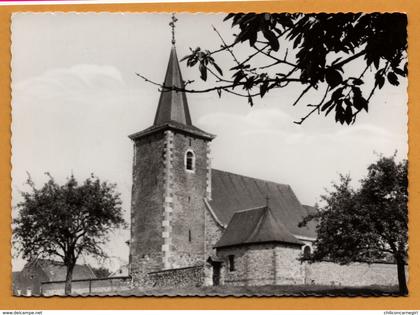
(172, 25)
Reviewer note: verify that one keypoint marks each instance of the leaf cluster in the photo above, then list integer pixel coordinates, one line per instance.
(203, 59)
(365, 224)
(312, 50)
(66, 220)
(101, 272)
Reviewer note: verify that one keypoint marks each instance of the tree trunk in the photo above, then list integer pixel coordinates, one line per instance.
(69, 277)
(402, 283)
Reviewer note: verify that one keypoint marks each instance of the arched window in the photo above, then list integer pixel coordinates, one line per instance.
(306, 252)
(190, 161)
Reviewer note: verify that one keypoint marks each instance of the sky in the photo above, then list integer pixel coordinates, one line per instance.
(76, 98)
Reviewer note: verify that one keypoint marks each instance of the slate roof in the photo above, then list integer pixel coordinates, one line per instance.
(233, 192)
(310, 209)
(56, 271)
(173, 105)
(255, 226)
(172, 111)
(189, 129)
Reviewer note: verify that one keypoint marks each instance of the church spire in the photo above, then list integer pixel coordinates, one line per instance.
(173, 105)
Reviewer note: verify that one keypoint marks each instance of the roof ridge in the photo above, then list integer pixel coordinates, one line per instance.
(284, 205)
(251, 177)
(280, 224)
(258, 225)
(250, 209)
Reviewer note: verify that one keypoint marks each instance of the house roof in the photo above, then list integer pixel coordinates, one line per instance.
(120, 272)
(254, 226)
(16, 280)
(15, 274)
(56, 271)
(233, 192)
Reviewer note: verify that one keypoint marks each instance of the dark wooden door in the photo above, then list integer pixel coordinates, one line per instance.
(216, 273)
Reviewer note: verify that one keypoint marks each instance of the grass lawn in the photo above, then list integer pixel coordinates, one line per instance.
(269, 290)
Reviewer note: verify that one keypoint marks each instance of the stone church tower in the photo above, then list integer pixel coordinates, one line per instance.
(171, 178)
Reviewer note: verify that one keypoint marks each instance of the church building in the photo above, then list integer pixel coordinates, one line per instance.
(192, 225)
(186, 214)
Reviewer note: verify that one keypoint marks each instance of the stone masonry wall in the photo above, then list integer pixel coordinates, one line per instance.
(189, 190)
(240, 275)
(263, 264)
(182, 277)
(147, 204)
(356, 274)
(288, 268)
(213, 234)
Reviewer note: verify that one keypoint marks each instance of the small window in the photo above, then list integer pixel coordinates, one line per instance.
(189, 161)
(189, 236)
(190, 141)
(306, 252)
(231, 262)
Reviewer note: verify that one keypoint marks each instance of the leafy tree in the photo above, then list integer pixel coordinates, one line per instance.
(344, 56)
(66, 221)
(101, 272)
(368, 223)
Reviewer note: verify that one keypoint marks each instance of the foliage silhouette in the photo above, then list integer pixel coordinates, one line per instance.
(318, 52)
(366, 224)
(66, 221)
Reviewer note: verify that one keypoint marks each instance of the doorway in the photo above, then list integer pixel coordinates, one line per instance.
(216, 272)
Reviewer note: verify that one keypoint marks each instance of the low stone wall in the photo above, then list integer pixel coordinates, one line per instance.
(180, 277)
(355, 274)
(321, 273)
(288, 269)
(268, 264)
(87, 287)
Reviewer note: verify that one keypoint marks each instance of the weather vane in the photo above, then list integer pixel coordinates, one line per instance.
(172, 25)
